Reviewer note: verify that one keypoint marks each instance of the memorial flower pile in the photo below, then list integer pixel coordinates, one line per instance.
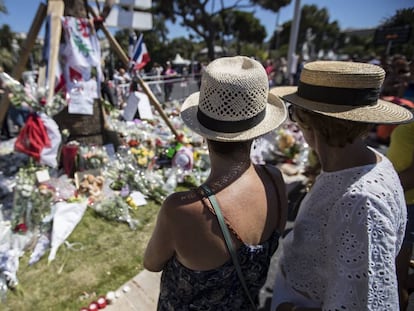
(289, 142)
(32, 97)
(32, 201)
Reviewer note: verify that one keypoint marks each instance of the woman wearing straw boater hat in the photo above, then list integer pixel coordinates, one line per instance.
(341, 252)
(214, 243)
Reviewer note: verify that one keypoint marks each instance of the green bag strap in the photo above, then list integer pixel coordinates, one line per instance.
(228, 240)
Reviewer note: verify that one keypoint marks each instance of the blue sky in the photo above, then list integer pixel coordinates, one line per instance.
(349, 13)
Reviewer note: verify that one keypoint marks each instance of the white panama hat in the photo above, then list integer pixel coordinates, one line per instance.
(234, 103)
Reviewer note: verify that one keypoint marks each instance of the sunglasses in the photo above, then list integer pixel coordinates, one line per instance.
(293, 117)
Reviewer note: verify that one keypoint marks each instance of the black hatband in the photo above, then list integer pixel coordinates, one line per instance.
(229, 126)
(338, 95)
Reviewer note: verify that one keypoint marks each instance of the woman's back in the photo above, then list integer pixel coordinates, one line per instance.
(219, 288)
(232, 108)
(201, 257)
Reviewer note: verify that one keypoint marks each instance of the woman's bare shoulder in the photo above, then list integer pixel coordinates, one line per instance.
(182, 202)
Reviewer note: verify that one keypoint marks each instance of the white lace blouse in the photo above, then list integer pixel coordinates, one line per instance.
(341, 252)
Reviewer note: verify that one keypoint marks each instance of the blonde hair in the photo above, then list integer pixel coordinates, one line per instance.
(336, 132)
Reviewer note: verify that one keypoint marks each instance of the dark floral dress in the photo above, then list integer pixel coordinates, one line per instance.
(217, 289)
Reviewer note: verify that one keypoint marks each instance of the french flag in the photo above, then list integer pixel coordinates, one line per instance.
(139, 55)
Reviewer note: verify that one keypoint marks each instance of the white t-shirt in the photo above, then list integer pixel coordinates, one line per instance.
(341, 252)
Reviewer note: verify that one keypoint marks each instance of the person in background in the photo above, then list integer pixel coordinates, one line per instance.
(409, 91)
(16, 115)
(396, 82)
(121, 76)
(108, 91)
(122, 81)
(401, 154)
(169, 73)
(340, 254)
(156, 72)
(270, 71)
(232, 108)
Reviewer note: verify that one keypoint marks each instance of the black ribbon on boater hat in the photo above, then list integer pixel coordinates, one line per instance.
(229, 126)
(338, 95)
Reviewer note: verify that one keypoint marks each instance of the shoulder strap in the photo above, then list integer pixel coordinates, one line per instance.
(276, 186)
(228, 240)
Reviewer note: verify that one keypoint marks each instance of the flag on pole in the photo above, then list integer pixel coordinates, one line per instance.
(139, 55)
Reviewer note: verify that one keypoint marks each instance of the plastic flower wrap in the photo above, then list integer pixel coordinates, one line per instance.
(115, 208)
(124, 171)
(9, 265)
(32, 201)
(92, 157)
(66, 216)
(33, 96)
(12, 247)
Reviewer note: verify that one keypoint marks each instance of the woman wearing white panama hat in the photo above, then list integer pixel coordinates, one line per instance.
(341, 252)
(232, 108)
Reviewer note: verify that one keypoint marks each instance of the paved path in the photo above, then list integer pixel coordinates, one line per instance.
(139, 293)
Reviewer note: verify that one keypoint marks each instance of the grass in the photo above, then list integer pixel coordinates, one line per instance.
(111, 254)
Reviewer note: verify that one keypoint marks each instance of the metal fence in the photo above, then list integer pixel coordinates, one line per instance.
(177, 88)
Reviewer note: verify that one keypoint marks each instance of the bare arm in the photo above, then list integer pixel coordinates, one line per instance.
(160, 247)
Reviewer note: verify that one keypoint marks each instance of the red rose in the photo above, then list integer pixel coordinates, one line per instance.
(21, 228)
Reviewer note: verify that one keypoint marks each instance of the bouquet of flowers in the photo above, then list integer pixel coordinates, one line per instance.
(31, 96)
(115, 208)
(289, 142)
(92, 157)
(32, 201)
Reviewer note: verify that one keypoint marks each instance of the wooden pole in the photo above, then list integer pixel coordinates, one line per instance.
(124, 58)
(24, 55)
(55, 10)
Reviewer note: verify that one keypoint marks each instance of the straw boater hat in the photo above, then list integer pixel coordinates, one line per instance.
(344, 90)
(234, 103)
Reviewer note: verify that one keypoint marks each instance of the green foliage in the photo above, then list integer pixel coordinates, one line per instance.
(211, 21)
(403, 17)
(325, 32)
(248, 28)
(272, 5)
